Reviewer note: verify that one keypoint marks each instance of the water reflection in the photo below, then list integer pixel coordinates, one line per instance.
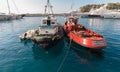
(49, 54)
(26, 42)
(85, 55)
(96, 23)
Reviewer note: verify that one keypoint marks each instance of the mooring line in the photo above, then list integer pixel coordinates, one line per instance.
(67, 52)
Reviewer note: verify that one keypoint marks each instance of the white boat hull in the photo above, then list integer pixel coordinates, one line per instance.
(112, 16)
(4, 17)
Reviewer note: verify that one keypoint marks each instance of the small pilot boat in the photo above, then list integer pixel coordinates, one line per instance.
(84, 37)
(48, 33)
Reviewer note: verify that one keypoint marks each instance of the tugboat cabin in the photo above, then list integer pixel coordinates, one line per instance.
(49, 26)
(49, 21)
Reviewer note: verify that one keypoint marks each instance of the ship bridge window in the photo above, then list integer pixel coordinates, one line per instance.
(44, 22)
(52, 22)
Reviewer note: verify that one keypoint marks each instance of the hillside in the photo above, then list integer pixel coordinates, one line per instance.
(111, 6)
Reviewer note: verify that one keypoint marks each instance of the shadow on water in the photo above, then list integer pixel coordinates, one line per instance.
(85, 54)
(49, 54)
(26, 42)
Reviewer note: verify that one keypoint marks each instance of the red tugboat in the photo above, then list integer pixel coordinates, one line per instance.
(83, 36)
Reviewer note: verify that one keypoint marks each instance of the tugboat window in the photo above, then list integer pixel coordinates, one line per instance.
(52, 22)
(44, 22)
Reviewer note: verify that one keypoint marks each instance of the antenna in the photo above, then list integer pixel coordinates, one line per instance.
(48, 8)
(72, 4)
(8, 7)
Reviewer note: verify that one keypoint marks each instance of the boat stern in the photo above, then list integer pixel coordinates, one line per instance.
(94, 44)
(99, 44)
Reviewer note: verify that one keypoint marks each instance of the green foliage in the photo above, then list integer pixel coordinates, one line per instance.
(87, 8)
(110, 6)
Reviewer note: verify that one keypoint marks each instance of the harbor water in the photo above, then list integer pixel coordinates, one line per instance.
(24, 56)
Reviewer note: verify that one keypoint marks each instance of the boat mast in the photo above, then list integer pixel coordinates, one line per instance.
(8, 7)
(16, 6)
(48, 8)
(72, 8)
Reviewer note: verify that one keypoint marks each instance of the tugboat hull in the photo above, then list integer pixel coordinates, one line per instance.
(48, 40)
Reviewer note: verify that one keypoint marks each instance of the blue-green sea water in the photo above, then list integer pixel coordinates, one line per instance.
(24, 56)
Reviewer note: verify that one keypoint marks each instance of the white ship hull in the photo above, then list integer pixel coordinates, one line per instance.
(4, 17)
(10, 17)
(112, 16)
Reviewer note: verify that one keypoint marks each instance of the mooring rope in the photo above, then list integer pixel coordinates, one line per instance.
(67, 52)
